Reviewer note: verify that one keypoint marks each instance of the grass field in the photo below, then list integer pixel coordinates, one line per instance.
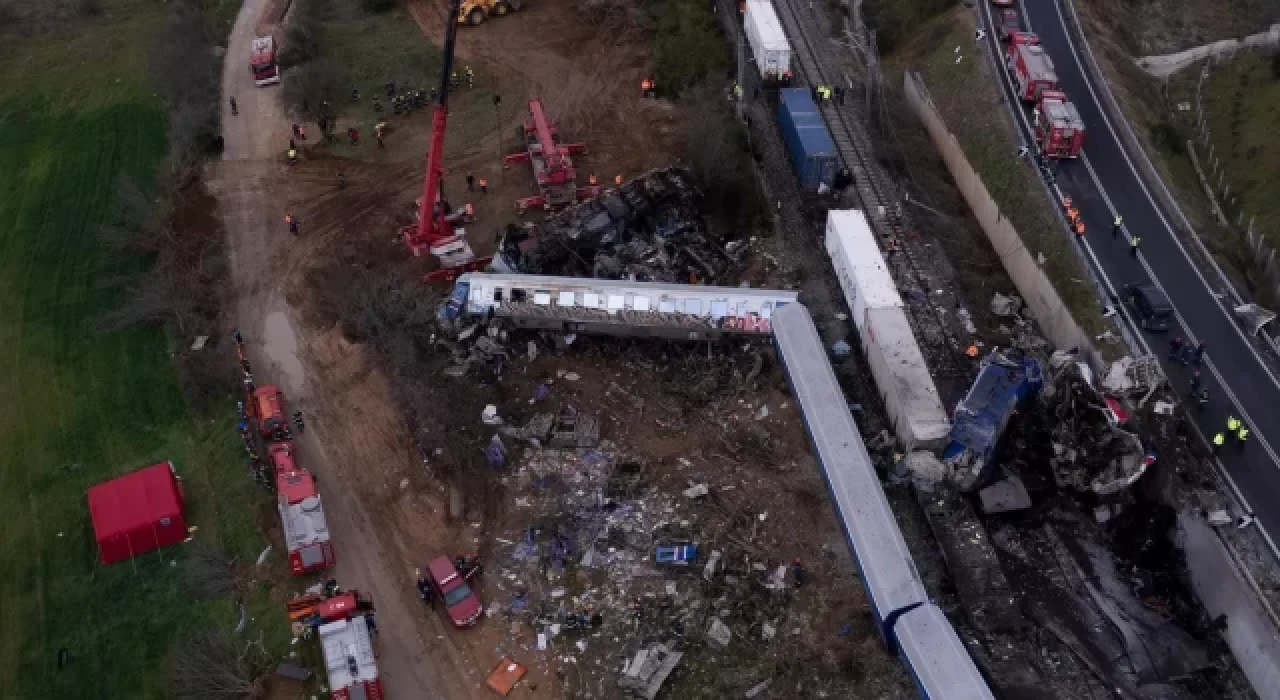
(1243, 107)
(970, 102)
(81, 406)
(375, 48)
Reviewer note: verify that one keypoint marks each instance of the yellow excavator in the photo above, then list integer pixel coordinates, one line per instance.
(474, 12)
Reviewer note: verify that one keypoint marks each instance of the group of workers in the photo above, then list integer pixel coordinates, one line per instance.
(1235, 428)
(648, 87)
(1077, 225)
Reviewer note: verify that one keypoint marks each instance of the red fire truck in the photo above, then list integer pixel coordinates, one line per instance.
(1030, 66)
(1058, 126)
(306, 532)
(344, 624)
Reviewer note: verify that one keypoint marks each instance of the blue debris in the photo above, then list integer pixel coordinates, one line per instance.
(1004, 382)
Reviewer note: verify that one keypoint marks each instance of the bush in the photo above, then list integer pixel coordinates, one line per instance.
(188, 75)
(1168, 138)
(895, 20)
(689, 47)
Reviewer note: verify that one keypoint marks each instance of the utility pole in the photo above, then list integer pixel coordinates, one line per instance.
(740, 50)
(873, 68)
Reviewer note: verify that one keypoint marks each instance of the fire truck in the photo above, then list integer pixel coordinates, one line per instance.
(1059, 129)
(1030, 66)
(306, 532)
(262, 61)
(344, 624)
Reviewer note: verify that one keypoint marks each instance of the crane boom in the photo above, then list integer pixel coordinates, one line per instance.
(434, 228)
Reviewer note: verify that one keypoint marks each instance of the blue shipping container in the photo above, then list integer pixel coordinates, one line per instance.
(809, 146)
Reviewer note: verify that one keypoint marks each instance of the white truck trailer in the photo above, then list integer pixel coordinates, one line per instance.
(769, 45)
(898, 366)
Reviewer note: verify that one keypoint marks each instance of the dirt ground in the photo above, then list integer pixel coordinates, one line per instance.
(387, 506)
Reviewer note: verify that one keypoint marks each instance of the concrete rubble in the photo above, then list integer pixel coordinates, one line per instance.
(650, 230)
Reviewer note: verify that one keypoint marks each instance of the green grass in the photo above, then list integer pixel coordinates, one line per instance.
(81, 406)
(1243, 108)
(970, 103)
(375, 48)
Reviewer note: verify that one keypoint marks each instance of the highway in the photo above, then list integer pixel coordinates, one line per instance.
(1105, 182)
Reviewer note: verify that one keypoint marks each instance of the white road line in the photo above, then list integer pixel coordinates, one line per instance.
(1168, 229)
(1138, 333)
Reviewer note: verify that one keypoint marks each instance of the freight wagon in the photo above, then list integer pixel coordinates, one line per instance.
(769, 45)
(809, 146)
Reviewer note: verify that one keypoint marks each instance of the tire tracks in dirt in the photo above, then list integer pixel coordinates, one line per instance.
(251, 183)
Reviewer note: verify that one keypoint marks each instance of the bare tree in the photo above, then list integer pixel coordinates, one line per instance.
(310, 87)
(211, 572)
(187, 73)
(214, 666)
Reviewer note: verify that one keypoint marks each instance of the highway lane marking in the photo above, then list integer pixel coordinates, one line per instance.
(1075, 55)
(1138, 332)
(1221, 468)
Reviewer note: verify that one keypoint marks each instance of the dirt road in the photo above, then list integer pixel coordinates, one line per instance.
(251, 186)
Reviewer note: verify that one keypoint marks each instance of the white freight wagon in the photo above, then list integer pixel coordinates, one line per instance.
(898, 366)
(768, 42)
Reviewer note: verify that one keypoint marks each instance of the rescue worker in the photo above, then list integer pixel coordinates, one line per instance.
(1202, 399)
(471, 182)
(1134, 244)
(292, 223)
(1116, 225)
(617, 180)
(972, 350)
(234, 110)
(293, 156)
(1079, 229)
(297, 421)
(484, 186)
(342, 180)
(1175, 347)
(1195, 382)
(1233, 424)
(471, 76)
(737, 92)
(425, 590)
(1197, 355)
(797, 573)
(1218, 439)
(593, 180)
(1066, 203)
(646, 87)
(1242, 434)
(355, 94)
(453, 79)
(353, 134)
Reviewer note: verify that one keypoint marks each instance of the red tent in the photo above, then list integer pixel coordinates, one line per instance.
(137, 512)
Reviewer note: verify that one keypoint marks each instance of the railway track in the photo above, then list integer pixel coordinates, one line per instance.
(878, 195)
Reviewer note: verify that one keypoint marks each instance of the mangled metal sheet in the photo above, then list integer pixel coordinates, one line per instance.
(649, 229)
(1005, 380)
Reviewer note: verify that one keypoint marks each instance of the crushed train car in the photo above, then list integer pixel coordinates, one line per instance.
(647, 230)
(1004, 382)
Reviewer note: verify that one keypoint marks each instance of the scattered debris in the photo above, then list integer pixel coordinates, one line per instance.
(644, 674)
(505, 677)
(649, 229)
(719, 633)
(1005, 496)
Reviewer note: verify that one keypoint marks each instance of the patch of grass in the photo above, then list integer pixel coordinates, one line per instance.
(82, 406)
(372, 48)
(689, 47)
(1243, 108)
(971, 105)
(895, 21)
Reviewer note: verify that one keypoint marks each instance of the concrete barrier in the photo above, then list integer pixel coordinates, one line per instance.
(1043, 300)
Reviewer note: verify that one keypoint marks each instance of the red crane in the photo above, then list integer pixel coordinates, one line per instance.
(435, 231)
(552, 163)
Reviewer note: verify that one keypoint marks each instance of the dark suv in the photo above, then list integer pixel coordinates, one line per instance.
(1150, 305)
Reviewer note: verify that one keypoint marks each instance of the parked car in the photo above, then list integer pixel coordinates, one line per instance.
(459, 600)
(1150, 305)
(1007, 23)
